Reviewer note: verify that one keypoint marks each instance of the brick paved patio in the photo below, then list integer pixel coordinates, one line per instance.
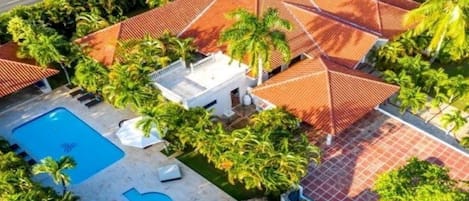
(370, 147)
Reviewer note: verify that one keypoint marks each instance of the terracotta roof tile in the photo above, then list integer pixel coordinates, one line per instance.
(348, 94)
(15, 75)
(101, 45)
(342, 43)
(372, 15)
(174, 16)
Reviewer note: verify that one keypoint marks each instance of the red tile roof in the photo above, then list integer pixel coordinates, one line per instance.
(341, 42)
(16, 73)
(204, 20)
(174, 17)
(324, 94)
(372, 15)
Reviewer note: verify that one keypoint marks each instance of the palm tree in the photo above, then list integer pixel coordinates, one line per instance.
(443, 19)
(457, 86)
(89, 22)
(411, 98)
(178, 47)
(389, 54)
(90, 75)
(453, 120)
(434, 79)
(402, 79)
(254, 38)
(56, 170)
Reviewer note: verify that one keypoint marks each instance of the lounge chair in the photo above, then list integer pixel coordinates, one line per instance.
(94, 102)
(70, 86)
(169, 173)
(86, 96)
(76, 92)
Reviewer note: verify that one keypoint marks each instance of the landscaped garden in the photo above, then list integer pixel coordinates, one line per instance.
(431, 60)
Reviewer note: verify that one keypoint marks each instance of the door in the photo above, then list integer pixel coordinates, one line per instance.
(235, 100)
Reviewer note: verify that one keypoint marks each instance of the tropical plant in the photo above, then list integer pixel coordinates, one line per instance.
(453, 121)
(402, 79)
(129, 85)
(90, 75)
(55, 169)
(457, 86)
(465, 142)
(89, 22)
(411, 98)
(255, 38)
(420, 181)
(434, 80)
(156, 3)
(442, 19)
(388, 54)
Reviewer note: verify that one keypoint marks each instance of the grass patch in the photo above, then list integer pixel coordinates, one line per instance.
(454, 69)
(218, 177)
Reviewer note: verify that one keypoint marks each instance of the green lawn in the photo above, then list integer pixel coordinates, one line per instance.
(200, 164)
(458, 69)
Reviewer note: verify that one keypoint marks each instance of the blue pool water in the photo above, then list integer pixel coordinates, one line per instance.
(58, 133)
(134, 195)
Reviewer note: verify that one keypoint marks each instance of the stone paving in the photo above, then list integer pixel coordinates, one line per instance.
(374, 145)
(137, 169)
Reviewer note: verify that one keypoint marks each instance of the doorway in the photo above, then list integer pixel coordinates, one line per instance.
(235, 98)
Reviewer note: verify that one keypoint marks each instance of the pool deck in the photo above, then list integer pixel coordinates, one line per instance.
(137, 169)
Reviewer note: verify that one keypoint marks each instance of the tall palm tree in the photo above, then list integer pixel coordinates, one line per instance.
(443, 19)
(255, 38)
(56, 170)
(453, 121)
(411, 98)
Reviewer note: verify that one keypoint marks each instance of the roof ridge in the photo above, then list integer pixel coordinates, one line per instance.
(28, 65)
(304, 29)
(329, 98)
(196, 18)
(288, 81)
(380, 23)
(361, 78)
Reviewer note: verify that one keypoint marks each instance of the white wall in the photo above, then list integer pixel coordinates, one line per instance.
(222, 94)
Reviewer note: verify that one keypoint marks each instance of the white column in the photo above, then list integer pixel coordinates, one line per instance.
(329, 140)
(46, 88)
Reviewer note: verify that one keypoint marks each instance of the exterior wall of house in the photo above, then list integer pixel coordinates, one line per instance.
(221, 94)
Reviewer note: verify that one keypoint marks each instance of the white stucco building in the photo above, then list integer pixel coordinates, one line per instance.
(213, 83)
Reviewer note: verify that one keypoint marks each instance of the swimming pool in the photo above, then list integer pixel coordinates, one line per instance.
(134, 195)
(58, 133)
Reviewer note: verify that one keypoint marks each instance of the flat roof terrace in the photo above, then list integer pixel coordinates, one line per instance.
(188, 82)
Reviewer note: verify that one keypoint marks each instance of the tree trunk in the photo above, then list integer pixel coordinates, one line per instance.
(66, 74)
(259, 72)
(64, 187)
(438, 47)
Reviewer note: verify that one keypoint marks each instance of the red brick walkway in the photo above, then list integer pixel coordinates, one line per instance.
(372, 146)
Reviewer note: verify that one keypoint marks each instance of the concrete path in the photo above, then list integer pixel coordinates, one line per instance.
(6, 5)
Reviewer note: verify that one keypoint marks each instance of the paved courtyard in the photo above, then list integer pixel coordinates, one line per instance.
(374, 145)
(137, 169)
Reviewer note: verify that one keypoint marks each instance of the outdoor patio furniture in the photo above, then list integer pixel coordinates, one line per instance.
(169, 173)
(77, 92)
(86, 96)
(94, 102)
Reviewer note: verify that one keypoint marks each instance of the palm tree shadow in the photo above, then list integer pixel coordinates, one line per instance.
(205, 39)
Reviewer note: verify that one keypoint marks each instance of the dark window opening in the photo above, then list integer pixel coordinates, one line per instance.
(295, 60)
(275, 71)
(210, 104)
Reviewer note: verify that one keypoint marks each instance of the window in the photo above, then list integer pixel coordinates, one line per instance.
(210, 104)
